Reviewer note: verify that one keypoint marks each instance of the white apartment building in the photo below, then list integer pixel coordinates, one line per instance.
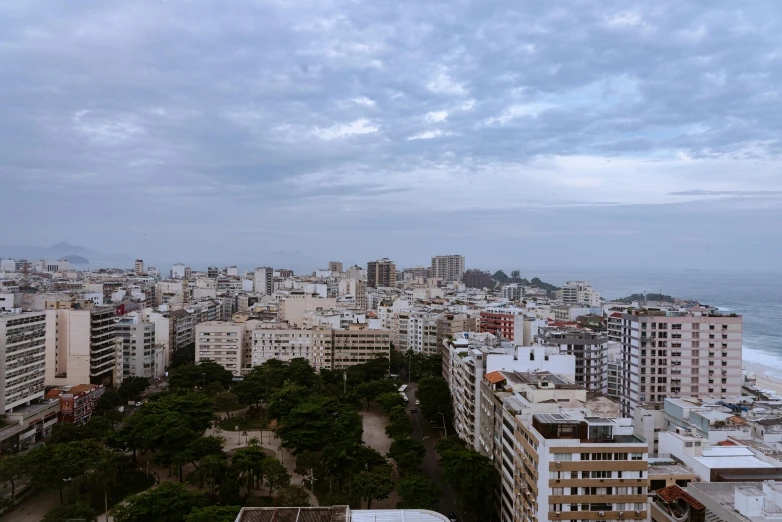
(297, 303)
(281, 341)
(573, 465)
(178, 271)
(263, 280)
(580, 292)
(415, 330)
(172, 293)
(356, 272)
(590, 349)
(448, 268)
(141, 355)
(358, 344)
(686, 353)
(512, 292)
(82, 347)
(470, 361)
(221, 342)
(22, 358)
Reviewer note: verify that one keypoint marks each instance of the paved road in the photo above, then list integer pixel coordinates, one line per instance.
(424, 430)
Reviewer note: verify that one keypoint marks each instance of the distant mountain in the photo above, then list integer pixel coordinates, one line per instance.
(76, 260)
(81, 255)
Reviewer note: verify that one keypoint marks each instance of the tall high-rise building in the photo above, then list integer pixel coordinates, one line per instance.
(590, 349)
(138, 268)
(335, 266)
(692, 353)
(141, 356)
(448, 268)
(474, 278)
(263, 281)
(212, 272)
(22, 358)
(178, 271)
(580, 292)
(381, 273)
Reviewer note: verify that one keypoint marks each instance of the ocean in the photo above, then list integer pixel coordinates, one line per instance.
(755, 296)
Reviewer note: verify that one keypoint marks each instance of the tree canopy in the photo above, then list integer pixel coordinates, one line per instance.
(435, 397)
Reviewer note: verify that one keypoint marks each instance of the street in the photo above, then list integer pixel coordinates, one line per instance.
(424, 430)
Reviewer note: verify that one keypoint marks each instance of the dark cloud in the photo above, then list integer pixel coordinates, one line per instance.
(130, 123)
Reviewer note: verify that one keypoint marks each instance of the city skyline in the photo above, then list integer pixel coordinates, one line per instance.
(292, 126)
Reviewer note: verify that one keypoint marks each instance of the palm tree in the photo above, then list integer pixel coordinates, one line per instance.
(106, 472)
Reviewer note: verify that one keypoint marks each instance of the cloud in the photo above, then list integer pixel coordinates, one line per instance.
(350, 107)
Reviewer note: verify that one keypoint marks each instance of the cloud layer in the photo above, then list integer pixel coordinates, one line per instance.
(220, 132)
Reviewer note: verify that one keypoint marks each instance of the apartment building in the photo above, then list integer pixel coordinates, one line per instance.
(142, 356)
(580, 292)
(298, 303)
(574, 466)
(358, 344)
(448, 268)
(172, 293)
(687, 353)
(178, 271)
(83, 347)
(381, 273)
(77, 402)
(415, 330)
(22, 359)
(474, 278)
(510, 323)
(512, 292)
(335, 266)
(278, 340)
(138, 267)
(450, 324)
(263, 280)
(221, 342)
(590, 349)
(182, 329)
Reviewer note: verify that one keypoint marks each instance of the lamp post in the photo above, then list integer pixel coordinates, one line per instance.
(444, 427)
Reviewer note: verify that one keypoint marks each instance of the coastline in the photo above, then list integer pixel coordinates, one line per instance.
(764, 381)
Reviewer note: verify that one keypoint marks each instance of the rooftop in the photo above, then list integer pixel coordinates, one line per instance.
(337, 514)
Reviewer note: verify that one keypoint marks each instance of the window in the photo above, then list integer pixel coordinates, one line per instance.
(636, 456)
(563, 456)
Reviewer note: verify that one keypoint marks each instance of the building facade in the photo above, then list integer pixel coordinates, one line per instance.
(263, 281)
(22, 359)
(381, 273)
(221, 342)
(448, 268)
(590, 349)
(474, 278)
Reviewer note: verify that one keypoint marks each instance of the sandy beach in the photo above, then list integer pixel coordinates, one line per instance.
(763, 380)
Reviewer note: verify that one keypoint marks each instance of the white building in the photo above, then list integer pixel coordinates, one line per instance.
(686, 353)
(221, 342)
(141, 355)
(580, 292)
(263, 280)
(448, 268)
(22, 358)
(178, 271)
(297, 303)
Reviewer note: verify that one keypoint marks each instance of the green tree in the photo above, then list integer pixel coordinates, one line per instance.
(11, 468)
(227, 402)
(214, 514)
(435, 397)
(471, 474)
(109, 400)
(515, 276)
(75, 511)
(369, 391)
(293, 496)
(105, 474)
(399, 426)
(209, 471)
(54, 466)
(388, 401)
(199, 375)
(132, 388)
(276, 475)
(408, 454)
(250, 464)
(418, 492)
(500, 276)
(373, 486)
(203, 446)
(307, 460)
(282, 402)
(169, 501)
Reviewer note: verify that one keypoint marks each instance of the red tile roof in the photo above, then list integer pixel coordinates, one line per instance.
(494, 377)
(616, 314)
(672, 493)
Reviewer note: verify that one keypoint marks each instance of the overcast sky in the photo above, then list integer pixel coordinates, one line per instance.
(521, 133)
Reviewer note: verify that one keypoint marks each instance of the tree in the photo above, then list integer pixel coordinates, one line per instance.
(209, 472)
(214, 514)
(417, 492)
(183, 356)
(132, 388)
(399, 426)
(105, 473)
(388, 401)
(293, 496)
(199, 375)
(500, 276)
(276, 474)
(373, 486)
(226, 402)
(435, 397)
(471, 474)
(75, 511)
(11, 468)
(370, 390)
(169, 501)
(307, 460)
(53, 466)
(109, 400)
(515, 276)
(203, 446)
(408, 454)
(250, 463)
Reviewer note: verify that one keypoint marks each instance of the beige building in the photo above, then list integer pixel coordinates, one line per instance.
(280, 341)
(138, 267)
(82, 347)
(359, 343)
(297, 303)
(448, 268)
(221, 342)
(22, 355)
(669, 354)
(335, 266)
(381, 273)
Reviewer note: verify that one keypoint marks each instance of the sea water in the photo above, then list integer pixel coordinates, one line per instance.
(755, 296)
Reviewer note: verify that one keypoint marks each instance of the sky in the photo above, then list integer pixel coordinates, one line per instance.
(590, 134)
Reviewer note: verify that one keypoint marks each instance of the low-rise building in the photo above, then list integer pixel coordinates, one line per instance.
(76, 402)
